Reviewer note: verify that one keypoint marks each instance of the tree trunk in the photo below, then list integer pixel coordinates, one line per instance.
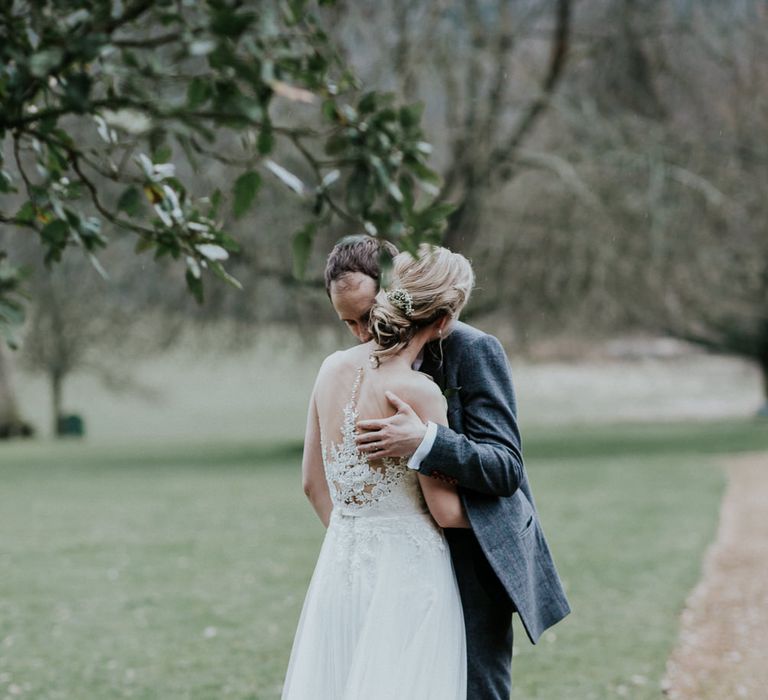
(9, 410)
(11, 424)
(763, 361)
(57, 386)
(463, 223)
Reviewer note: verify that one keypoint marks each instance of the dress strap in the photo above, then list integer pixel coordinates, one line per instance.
(356, 388)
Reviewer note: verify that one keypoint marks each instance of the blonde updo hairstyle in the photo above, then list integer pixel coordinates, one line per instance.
(439, 283)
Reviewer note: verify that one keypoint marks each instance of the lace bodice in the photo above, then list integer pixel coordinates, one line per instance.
(384, 583)
(356, 487)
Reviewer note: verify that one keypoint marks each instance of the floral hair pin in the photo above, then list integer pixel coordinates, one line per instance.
(401, 298)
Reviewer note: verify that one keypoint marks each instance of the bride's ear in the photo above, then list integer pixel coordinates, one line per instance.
(443, 323)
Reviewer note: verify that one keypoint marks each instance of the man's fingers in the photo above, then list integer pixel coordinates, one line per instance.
(374, 451)
(369, 449)
(371, 424)
(366, 438)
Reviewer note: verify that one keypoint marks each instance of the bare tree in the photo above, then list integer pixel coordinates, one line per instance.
(81, 323)
(655, 219)
(11, 422)
(486, 71)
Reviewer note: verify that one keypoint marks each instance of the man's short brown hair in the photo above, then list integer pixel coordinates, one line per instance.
(359, 253)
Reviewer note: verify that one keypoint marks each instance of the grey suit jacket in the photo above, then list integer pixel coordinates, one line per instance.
(481, 453)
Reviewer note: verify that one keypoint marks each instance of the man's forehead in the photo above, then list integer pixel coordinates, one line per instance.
(353, 281)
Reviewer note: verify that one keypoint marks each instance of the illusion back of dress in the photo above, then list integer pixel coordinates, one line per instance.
(360, 486)
(382, 618)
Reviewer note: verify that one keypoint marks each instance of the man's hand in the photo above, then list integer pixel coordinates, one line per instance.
(398, 436)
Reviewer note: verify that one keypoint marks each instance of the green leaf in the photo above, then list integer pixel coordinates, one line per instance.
(77, 91)
(293, 10)
(329, 111)
(27, 213)
(77, 17)
(228, 243)
(230, 23)
(218, 269)
(90, 231)
(302, 247)
(406, 187)
(409, 245)
(131, 201)
(433, 215)
(410, 115)
(367, 104)
(6, 182)
(359, 195)
(72, 217)
(245, 189)
(129, 58)
(11, 312)
(198, 92)
(56, 162)
(319, 204)
(380, 170)
(266, 140)
(202, 48)
(423, 173)
(329, 178)
(162, 154)
(157, 139)
(394, 192)
(336, 144)
(193, 266)
(213, 210)
(385, 268)
(211, 251)
(98, 266)
(42, 62)
(195, 285)
(56, 232)
(286, 177)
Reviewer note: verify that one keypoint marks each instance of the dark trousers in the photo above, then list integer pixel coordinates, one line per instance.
(487, 619)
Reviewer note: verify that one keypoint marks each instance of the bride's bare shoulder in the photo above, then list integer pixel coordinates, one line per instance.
(418, 389)
(342, 361)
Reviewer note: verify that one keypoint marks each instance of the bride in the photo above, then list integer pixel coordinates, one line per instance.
(382, 617)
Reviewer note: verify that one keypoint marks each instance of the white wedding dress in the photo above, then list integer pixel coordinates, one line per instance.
(382, 619)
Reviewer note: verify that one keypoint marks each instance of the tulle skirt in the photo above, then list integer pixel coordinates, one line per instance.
(382, 619)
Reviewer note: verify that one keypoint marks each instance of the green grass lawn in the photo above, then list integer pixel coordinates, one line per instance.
(178, 571)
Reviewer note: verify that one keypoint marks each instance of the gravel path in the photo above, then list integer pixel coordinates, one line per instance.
(722, 652)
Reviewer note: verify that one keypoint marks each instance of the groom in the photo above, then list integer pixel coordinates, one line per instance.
(502, 564)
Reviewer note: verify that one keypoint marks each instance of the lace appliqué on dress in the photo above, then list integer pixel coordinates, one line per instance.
(359, 542)
(390, 493)
(354, 483)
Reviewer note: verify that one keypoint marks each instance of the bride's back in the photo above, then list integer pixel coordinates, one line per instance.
(349, 376)
(349, 389)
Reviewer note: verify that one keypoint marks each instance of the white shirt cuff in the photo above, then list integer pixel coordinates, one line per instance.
(424, 448)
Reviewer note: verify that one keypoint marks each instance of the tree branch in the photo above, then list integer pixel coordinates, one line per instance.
(558, 55)
(17, 157)
(13, 221)
(130, 13)
(473, 81)
(150, 43)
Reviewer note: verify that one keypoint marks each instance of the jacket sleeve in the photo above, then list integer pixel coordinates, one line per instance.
(487, 457)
